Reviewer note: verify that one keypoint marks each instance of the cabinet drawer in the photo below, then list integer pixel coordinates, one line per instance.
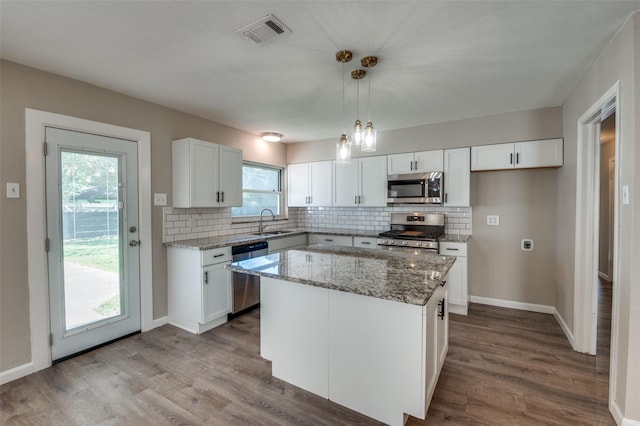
(331, 240)
(218, 255)
(453, 249)
(365, 242)
(277, 244)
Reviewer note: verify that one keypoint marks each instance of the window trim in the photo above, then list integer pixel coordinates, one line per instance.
(255, 218)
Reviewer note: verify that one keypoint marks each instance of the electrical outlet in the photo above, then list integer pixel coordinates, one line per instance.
(526, 245)
(159, 199)
(493, 220)
(13, 190)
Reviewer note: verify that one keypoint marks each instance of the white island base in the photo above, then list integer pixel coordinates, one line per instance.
(378, 357)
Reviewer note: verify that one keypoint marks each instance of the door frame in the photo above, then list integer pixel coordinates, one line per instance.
(40, 322)
(587, 237)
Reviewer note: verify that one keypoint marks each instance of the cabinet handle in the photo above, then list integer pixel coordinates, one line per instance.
(365, 243)
(355, 199)
(411, 165)
(206, 277)
(511, 158)
(359, 199)
(222, 254)
(442, 308)
(415, 167)
(218, 197)
(452, 249)
(517, 158)
(222, 197)
(446, 196)
(328, 239)
(443, 283)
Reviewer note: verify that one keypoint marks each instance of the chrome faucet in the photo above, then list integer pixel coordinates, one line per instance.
(261, 227)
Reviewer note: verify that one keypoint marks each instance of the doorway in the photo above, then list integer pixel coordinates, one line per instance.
(92, 230)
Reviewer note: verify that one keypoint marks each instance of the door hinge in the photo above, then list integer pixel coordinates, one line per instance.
(46, 245)
(45, 148)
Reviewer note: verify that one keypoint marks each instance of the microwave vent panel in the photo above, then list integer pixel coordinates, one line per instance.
(265, 29)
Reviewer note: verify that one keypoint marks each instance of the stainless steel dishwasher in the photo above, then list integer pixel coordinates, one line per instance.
(246, 288)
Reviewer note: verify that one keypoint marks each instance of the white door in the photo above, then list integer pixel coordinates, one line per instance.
(298, 175)
(457, 177)
(492, 157)
(320, 175)
(93, 257)
(346, 184)
(373, 182)
(204, 174)
(230, 177)
(428, 161)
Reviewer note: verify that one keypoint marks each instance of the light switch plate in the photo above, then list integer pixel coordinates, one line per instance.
(13, 190)
(625, 194)
(493, 220)
(159, 199)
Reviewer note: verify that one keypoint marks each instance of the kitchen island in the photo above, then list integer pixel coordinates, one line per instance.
(366, 329)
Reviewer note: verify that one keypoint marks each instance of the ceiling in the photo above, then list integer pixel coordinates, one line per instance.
(438, 60)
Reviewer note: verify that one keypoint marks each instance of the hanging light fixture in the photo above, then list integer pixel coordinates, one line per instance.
(343, 146)
(356, 135)
(369, 134)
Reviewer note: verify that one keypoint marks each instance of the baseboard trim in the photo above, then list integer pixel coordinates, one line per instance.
(629, 422)
(565, 328)
(545, 309)
(604, 276)
(159, 322)
(16, 373)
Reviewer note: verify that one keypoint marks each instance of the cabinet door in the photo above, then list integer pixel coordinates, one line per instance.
(398, 164)
(346, 184)
(216, 292)
(203, 174)
(321, 187)
(366, 242)
(230, 177)
(492, 157)
(443, 327)
(431, 351)
(457, 282)
(331, 240)
(298, 184)
(372, 182)
(542, 153)
(428, 161)
(457, 177)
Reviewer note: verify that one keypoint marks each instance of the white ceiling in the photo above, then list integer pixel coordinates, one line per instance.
(438, 60)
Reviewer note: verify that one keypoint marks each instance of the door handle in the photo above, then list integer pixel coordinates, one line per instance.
(134, 243)
(206, 277)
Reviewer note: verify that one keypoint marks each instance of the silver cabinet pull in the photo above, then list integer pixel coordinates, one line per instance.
(511, 158)
(222, 254)
(355, 199)
(218, 197)
(222, 197)
(365, 242)
(452, 249)
(206, 277)
(517, 158)
(328, 239)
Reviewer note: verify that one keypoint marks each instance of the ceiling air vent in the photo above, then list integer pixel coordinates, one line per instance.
(264, 29)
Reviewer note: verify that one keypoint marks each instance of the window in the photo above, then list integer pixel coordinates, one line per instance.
(261, 188)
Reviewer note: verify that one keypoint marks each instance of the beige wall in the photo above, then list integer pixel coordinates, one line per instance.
(515, 126)
(525, 200)
(23, 87)
(619, 62)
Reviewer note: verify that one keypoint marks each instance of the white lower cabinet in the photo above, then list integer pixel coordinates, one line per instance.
(366, 242)
(284, 243)
(458, 277)
(379, 357)
(199, 287)
(331, 240)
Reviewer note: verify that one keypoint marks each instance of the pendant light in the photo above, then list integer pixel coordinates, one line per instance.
(343, 146)
(369, 135)
(356, 135)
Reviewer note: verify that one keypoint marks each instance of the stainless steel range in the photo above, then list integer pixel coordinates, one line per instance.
(413, 230)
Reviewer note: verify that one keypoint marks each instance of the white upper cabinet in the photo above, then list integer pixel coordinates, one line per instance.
(361, 183)
(206, 174)
(415, 162)
(457, 177)
(310, 184)
(518, 155)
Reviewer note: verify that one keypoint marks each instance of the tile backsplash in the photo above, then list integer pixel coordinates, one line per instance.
(184, 224)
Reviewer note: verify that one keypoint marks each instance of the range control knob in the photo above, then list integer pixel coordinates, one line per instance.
(404, 243)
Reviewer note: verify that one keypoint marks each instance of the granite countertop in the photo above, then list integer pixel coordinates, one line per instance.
(455, 238)
(392, 275)
(234, 240)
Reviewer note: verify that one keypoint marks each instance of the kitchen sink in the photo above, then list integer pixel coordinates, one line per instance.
(273, 232)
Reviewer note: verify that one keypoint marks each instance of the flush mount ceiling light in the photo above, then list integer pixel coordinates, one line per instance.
(343, 146)
(271, 136)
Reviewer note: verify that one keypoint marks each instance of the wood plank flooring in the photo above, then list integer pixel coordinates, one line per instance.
(504, 367)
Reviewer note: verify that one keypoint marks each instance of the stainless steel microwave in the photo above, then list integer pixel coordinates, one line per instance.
(417, 188)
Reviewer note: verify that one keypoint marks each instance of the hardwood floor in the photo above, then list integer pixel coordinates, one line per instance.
(504, 367)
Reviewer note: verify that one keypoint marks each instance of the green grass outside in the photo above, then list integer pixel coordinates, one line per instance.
(100, 253)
